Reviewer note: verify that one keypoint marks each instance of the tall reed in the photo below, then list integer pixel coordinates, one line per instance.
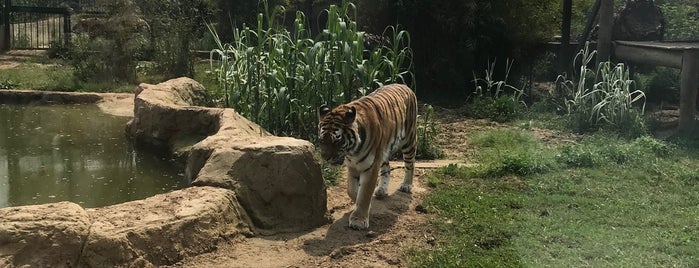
(278, 78)
(605, 98)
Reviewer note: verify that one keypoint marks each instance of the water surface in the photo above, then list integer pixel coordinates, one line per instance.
(51, 153)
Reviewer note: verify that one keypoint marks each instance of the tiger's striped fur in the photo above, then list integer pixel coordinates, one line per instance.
(364, 134)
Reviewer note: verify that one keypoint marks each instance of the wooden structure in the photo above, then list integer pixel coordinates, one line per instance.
(682, 55)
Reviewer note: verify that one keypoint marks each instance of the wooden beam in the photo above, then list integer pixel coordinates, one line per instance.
(688, 90)
(604, 38)
(648, 55)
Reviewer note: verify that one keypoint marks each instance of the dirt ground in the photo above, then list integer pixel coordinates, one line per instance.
(397, 223)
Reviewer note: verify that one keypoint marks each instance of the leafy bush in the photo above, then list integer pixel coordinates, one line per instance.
(682, 20)
(279, 78)
(660, 85)
(496, 100)
(174, 27)
(603, 99)
(7, 84)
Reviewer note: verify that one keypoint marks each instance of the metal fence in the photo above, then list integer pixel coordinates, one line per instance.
(37, 24)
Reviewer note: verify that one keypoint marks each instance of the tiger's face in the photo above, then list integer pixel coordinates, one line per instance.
(335, 134)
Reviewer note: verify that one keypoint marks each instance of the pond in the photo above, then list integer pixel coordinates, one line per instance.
(51, 153)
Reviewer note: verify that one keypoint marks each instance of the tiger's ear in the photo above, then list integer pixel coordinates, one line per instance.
(350, 114)
(323, 110)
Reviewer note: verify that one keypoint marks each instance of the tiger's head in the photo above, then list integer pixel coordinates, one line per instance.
(336, 136)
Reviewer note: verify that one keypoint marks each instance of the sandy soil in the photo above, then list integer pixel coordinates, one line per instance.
(395, 225)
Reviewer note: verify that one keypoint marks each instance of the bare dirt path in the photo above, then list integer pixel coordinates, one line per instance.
(395, 226)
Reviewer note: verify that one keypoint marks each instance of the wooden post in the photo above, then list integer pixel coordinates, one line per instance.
(5, 31)
(604, 40)
(688, 90)
(564, 53)
(66, 28)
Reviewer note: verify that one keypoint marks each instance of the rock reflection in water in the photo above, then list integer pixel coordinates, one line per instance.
(76, 153)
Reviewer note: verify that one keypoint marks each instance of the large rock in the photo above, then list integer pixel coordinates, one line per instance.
(164, 114)
(50, 235)
(159, 230)
(277, 180)
(162, 229)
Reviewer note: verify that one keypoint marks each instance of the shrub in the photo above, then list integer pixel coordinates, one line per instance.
(682, 20)
(174, 27)
(496, 99)
(662, 85)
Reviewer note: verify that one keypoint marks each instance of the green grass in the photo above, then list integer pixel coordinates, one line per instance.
(55, 77)
(603, 202)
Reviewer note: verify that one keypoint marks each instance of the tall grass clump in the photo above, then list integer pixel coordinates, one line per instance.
(278, 77)
(427, 129)
(497, 100)
(603, 99)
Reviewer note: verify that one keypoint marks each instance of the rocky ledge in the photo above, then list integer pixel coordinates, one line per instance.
(245, 181)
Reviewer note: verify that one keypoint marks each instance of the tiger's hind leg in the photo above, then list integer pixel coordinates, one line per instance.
(381, 190)
(409, 159)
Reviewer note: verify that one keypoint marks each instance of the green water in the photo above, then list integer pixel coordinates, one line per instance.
(76, 153)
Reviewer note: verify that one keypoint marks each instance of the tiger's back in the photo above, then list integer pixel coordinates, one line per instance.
(365, 133)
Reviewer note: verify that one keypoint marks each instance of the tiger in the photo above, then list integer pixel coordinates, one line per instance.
(364, 134)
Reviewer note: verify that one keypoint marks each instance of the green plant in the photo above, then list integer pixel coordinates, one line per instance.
(508, 152)
(682, 20)
(7, 84)
(331, 174)
(662, 85)
(174, 29)
(427, 130)
(603, 98)
(496, 99)
(278, 78)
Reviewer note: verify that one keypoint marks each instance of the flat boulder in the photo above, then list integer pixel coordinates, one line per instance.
(49, 235)
(162, 229)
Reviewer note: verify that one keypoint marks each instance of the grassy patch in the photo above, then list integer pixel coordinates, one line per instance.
(55, 77)
(603, 202)
(510, 152)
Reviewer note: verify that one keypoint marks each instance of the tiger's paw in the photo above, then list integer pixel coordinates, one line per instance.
(406, 188)
(380, 193)
(358, 223)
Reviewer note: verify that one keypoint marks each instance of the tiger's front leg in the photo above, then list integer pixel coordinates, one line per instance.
(359, 218)
(352, 183)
